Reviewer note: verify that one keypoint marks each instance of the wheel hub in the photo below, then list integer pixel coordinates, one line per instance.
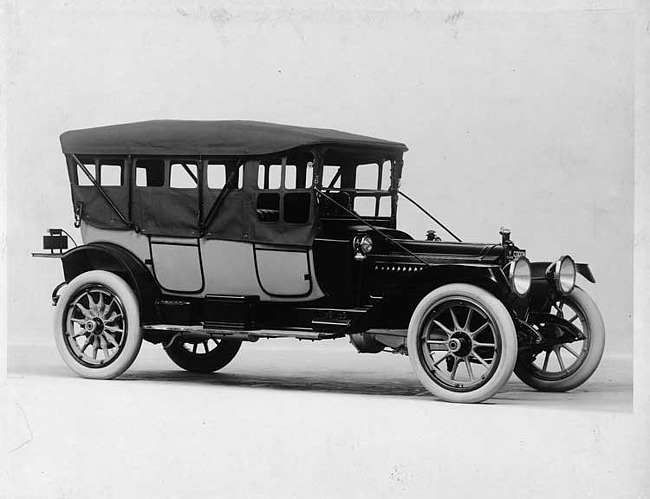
(94, 326)
(454, 345)
(460, 344)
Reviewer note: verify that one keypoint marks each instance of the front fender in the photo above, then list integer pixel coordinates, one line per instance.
(542, 290)
(398, 302)
(115, 259)
(489, 277)
(538, 270)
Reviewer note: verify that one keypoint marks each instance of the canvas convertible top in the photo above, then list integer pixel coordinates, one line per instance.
(210, 138)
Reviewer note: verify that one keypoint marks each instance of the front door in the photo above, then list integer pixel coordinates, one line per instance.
(281, 228)
(283, 271)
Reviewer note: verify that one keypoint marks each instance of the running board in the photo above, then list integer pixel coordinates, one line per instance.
(160, 333)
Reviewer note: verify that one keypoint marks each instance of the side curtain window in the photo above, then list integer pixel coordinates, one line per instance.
(105, 172)
(218, 172)
(183, 175)
(284, 191)
(150, 173)
(223, 214)
(166, 196)
(91, 203)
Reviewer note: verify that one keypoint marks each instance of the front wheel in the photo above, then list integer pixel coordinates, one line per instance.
(462, 343)
(97, 325)
(566, 366)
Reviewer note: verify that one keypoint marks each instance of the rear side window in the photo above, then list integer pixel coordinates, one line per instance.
(183, 175)
(296, 207)
(298, 176)
(82, 178)
(218, 173)
(287, 200)
(150, 173)
(291, 177)
(269, 176)
(110, 174)
(107, 173)
(268, 207)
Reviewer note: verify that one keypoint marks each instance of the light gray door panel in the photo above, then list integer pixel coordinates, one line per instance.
(283, 272)
(177, 264)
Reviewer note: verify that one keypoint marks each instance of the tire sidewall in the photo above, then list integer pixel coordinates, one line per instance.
(215, 360)
(133, 331)
(505, 329)
(596, 327)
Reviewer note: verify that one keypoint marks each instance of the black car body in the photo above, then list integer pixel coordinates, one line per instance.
(220, 232)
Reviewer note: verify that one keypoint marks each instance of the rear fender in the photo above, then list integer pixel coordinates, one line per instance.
(115, 259)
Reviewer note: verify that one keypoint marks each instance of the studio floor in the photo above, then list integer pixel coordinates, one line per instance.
(286, 417)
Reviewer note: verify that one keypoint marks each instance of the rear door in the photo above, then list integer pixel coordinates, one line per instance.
(166, 208)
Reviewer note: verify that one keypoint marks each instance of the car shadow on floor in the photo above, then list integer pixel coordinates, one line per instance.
(339, 381)
(591, 396)
(609, 390)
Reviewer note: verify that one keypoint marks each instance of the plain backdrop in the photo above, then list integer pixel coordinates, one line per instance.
(514, 118)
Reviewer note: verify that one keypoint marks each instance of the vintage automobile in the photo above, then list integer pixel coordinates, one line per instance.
(200, 235)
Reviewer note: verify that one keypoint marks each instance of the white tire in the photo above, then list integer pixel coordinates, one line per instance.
(567, 366)
(97, 325)
(462, 343)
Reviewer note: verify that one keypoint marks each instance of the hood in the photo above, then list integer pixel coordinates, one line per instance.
(443, 252)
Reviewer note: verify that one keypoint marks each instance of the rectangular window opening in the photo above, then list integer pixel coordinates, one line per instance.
(150, 173)
(183, 175)
(385, 175)
(218, 173)
(367, 176)
(365, 206)
(268, 207)
(300, 176)
(296, 207)
(291, 177)
(269, 176)
(331, 172)
(384, 206)
(111, 174)
(82, 178)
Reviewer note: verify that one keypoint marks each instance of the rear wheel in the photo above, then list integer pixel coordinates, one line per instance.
(206, 356)
(566, 366)
(97, 325)
(462, 343)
